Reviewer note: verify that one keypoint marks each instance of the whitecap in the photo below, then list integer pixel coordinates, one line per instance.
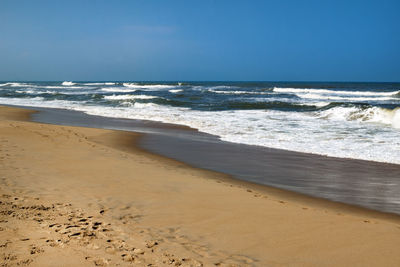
(221, 87)
(175, 91)
(373, 114)
(148, 86)
(64, 87)
(125, 97)
(118, 89)
(66, 83)
(105, 83)
(237, 92)
(13, 84)
(333, 92)
(35, 92)
(345, 98)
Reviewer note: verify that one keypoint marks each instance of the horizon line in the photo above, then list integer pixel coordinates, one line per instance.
(186, 81)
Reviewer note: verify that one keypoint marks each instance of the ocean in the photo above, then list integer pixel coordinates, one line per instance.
(346, 120)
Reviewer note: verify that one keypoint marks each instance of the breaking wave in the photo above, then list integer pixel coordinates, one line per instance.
(106, 83)
(67, 83)
(345, 98)
(237, 92)
(118, 89)
(334, 92)
(12, 84)
(126, 97)
(148, 86)
(372, 114)
(175, 91)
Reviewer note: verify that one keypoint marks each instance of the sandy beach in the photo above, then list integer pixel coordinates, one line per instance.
(75, 196)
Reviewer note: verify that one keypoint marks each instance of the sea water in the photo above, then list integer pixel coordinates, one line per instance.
(348, 120)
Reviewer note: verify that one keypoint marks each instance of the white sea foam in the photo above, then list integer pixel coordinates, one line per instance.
(64, 87)
(345, 98)
(107, 83)
(218, 87)
(126, 97)
(35, 92)
(333, 92)
(118, 89)
(396, 118)
(319, 104)
(25, 91)
(297, 131)
(175, 91)
(13, 84)
(372, 114)
(71, 90)
(148, 86)
(66, 83)
(237, 92)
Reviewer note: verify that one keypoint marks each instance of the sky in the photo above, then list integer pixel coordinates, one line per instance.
(193, 40)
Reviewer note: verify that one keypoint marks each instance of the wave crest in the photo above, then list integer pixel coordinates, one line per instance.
(66, 83)
(106, 83)
(175, 91)
(12, 84)
(333, 92)
(127, 97)
(118, 89)
(372, 114)
(148, 86)
(344, 98)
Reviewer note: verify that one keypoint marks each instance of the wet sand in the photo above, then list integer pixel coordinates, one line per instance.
(74, 196)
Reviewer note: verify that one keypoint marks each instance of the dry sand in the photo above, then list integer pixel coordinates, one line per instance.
(75, 196)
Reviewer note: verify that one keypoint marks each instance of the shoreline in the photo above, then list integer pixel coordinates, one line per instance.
(304, 173)
(162, 125)
(165, 125)
(153, 128)
(193, 220)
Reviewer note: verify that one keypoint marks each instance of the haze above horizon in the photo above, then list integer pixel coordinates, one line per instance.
(200, 41)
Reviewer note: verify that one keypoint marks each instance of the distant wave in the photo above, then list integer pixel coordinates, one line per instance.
(221, 87)
(107, 83)
(52, 92)
(63, 87)
(318, 104)
(345, 98)
(125, 97)
(148, 86)
(66, 83)
(15, 84)
(175, 91)
(118, 89)
(36, 92)
(237, 92)
(334, 92)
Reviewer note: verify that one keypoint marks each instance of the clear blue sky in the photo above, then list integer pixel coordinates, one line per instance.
(200, 40)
